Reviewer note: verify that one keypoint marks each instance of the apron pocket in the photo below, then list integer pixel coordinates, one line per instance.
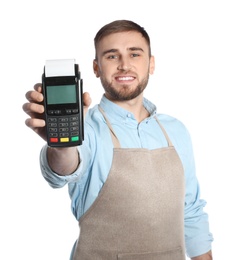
(174, 254)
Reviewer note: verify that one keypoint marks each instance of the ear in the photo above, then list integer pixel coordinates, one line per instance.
(152, 65)
(95, 68)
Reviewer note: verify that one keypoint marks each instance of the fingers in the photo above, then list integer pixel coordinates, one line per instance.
(34, 96)
(33, 108)
(34, 122)
(87, 99)
(38, 87)
(37, 125)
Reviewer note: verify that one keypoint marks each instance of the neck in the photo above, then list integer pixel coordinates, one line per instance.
(135, 106)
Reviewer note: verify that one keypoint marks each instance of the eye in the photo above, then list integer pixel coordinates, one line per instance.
(111, 57)
(135, 55)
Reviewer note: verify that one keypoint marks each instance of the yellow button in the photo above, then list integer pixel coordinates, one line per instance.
(64, 140)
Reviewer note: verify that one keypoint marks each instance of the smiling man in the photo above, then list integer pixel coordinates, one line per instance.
(124, 70)
(132, 182)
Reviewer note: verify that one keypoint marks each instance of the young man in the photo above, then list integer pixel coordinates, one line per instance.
(132, 182)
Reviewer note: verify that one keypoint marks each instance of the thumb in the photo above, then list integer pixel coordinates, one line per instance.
(86, 101)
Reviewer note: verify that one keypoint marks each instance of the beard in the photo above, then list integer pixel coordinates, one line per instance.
(123, 93)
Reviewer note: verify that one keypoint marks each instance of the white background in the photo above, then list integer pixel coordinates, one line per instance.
(198, 51)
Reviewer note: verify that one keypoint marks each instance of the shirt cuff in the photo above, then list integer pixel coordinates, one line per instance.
(199, 246)
(55, 180)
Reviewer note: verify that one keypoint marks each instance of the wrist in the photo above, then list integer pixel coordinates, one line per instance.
(207, 256)
(63, 161)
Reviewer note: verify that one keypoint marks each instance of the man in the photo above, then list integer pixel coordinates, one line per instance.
(132, 182)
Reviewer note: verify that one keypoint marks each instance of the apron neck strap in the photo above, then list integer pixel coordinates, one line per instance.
(164, 132)
(115, 140)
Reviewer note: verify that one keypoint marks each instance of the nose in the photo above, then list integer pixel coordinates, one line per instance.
(124, 65)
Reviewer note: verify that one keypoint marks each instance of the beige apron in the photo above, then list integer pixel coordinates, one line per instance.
(139, 213)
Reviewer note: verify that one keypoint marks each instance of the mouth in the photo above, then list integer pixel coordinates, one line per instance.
(124, 78)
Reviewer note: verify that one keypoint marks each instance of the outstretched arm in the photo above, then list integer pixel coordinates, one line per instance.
(62, 161)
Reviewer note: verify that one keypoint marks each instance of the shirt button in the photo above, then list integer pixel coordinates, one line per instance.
(129, 115)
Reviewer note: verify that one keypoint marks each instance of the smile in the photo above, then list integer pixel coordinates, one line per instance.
(124, 78)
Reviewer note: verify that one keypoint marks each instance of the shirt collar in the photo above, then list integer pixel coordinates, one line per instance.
(115, 111)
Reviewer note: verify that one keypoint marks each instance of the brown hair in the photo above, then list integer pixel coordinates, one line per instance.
(120, 26)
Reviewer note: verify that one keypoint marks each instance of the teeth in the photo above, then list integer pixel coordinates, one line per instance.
(125, 78)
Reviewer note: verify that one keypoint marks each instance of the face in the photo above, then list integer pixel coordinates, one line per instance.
(123, 65)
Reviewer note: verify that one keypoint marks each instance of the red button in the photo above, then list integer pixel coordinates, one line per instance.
(54, 140)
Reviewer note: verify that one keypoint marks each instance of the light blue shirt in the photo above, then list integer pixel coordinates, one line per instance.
(96, 157)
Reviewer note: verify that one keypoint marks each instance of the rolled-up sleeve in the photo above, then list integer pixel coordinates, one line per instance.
(197, 235)
(198, 238)
(55, 180)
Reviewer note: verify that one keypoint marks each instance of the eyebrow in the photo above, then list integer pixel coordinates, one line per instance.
(109, 51)
(116, 50)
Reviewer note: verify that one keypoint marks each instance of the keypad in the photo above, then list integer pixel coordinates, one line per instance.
(63, 128)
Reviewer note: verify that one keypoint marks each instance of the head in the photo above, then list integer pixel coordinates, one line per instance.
(120, 26)
(123, 59)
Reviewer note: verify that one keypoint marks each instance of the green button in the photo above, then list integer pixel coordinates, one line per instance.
(75, 138)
